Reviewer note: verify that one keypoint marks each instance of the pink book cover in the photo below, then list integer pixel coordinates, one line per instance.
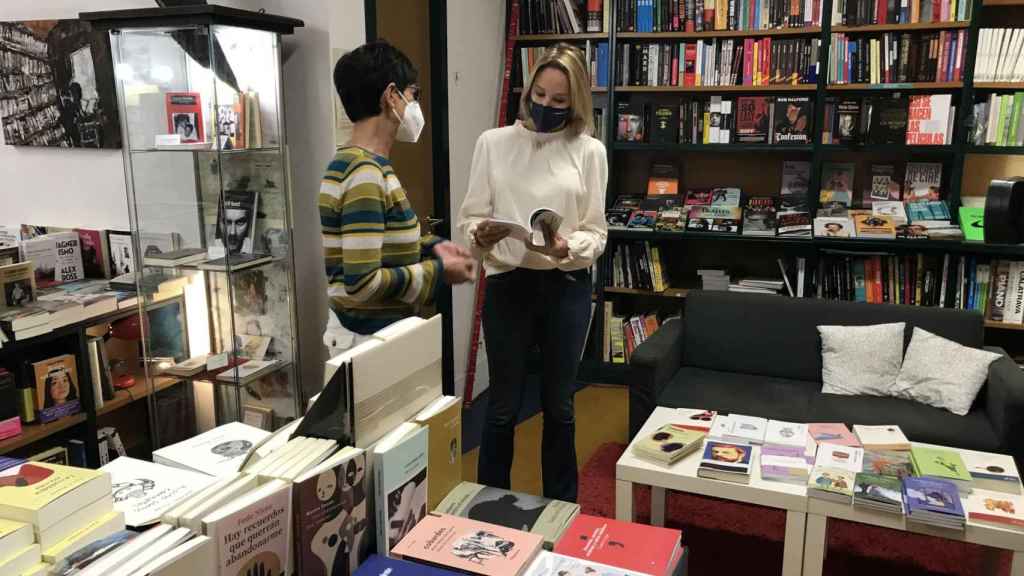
(469, 546)
(635, 547)
(833, 433)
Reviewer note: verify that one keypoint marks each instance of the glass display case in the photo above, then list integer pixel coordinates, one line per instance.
(206, 170)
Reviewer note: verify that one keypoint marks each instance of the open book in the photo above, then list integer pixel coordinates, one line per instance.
(533, 231)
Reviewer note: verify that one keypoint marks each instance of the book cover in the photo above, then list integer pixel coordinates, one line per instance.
(185, 116)
(833, 227)
(543, 516)
(930, 495)
(9, 255)
(833, 480)
(753, 119)
(794, 224)
(726, 197)
(18, 282)
(42, 494)
(931, 210)
(668, 444)
(642, 219)
(888, 121)
(664, 126)
(551, 564)
(840, 457)
(694, 419)
(832, 433)
(617, 218)
(928, 119)
(735, 457)
(216, 452)
(923, 181)
(122, 259)
(714, 219)
(939, 463)
(972, 222)
(759, 216)
(796, 177)
(443, 420)
(400, 483)
(670, 220)
(57, 258)
(253, 532)
(848, 123)
(885, 437)
(56, 384)
(837, 182)
(469, 546)
(874, 226)
(235, 228)
(330, 509)
(888, 463)
(792, 120)
(883, 185)
(996, 509)
(144, 490)
(95, 253)
(635, 547)
(992, 471)
(377, 565)
(885, 490)
(663, 181)
(788, 434)
(101, 527)
(14, 536)
(892, 209)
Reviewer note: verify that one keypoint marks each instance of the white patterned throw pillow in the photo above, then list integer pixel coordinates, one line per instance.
(941, 373)
(860, 360)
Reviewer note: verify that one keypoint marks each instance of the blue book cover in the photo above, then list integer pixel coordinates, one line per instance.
(930, 495)
(6, 462)
(602, 64)
(382, 566)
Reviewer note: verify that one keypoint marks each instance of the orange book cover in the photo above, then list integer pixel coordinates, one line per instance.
(650, 325)
(469, 546)
(662, 186)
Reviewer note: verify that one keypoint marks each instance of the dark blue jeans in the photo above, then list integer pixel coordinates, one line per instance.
(522, 309)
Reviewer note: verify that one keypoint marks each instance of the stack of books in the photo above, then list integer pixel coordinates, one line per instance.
(788, 453)
(468, 546)
(996, 509)
(834, 473)
(669, 444)
(941, 464)
(994, 472)
(876, 492)
(738, 428)
(887, 438)
(729, 462)
(216, 452)
(888, 463)
(713, 279)
(624, 545)
(832, 433)
(933, 503)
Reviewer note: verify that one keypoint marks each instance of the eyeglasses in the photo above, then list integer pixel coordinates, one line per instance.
(415, 91)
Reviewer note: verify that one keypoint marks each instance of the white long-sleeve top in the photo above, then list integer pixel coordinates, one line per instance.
(514, 172)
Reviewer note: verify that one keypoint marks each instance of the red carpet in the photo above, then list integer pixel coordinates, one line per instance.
(731, 538)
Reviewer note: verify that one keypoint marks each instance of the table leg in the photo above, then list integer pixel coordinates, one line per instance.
(624, 501)
(1017, 564)
(814, 545)
(793, 545)
(657, 506)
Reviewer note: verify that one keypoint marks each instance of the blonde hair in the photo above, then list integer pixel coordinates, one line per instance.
(571, 61)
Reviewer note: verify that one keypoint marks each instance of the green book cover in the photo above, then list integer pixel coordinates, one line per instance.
(1018, 99)
(1004, 112)
(939, 463)
(879, 488)
(972, 222)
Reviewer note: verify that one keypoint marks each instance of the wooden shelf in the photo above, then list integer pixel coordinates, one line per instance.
(561, 37)
(996, 150)
(1003, 325)
(31, 433)
(668, 293)
(1000, 85)
(594, 89)
(899, 86)
(901, 27)
(1002, 3)
(670, 146)
(126, 396)
(808, 31)
(889, 148)
(768, 88)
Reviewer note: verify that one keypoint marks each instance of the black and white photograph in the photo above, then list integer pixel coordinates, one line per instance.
(57, 85)
(236, 221)
(407, 505)
(18, 292)
(185, 125)
(496, 506)
(232, 448)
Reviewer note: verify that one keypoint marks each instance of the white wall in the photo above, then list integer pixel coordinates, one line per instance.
(475, 52)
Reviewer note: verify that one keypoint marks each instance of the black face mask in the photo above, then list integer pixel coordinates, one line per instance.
(547, 118)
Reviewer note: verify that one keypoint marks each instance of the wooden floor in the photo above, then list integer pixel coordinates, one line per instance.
(601, 416)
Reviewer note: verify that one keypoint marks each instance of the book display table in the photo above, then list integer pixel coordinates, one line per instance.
(819, 512)
(682, 476)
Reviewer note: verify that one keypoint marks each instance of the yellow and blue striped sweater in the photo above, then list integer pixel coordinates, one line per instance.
(379, 267)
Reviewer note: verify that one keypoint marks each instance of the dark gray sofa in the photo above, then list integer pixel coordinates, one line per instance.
(761, 355)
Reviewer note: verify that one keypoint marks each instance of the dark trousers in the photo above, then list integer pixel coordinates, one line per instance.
(522, 309)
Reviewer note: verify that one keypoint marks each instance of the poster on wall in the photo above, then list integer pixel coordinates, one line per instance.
(57, 85)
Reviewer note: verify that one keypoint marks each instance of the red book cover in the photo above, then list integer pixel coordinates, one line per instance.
(185, 116)
(689, 17)
(675, 66)
(881, 7)
(936, 10)
(766, 61)
(690, 66)
(709, 14)
(636, 547)
(876, 279)
(748, 65)
(957, 70)
(469, 546)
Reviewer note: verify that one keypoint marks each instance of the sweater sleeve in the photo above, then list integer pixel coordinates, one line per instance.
(587, 243)
(352, 215)
(478, 205)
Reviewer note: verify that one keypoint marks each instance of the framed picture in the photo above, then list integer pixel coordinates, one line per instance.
(258, 416)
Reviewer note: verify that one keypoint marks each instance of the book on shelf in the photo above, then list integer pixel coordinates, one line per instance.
(831, 484)
(645, 219)
(972, 222)
(174, 258)
(617, 218)
(759, 216)
(664, 125)
(671, 219)
(941, 464)
(400, 480)
(833, 227)
(631, 122)
(837, 180)
(143, 491)
(248, 371)
(832, 433)
(266, 510)
(753, 119)
(216, 452)
(572, 17)
(443, 419)
(884, 186)
(867, 12)
(885, 437)
(57, 258)
(889, 118)
(868, 225)
(726, 197)
(878, 493)
(993, 472)
(997, 58)
(997, 121)
(543, 516)
(468, 546)
(18, 283)
(235, 262)
(792, 120)
(796, 177)
(663, 180)
(726, 461)
(185, 116)
(888, 463)
(635, 547)
(794, 224)
(930, 120)
(95, 253)
(996, 509)
(668, 444)
(9, 255)
(56, 387)
(845, 121)
(891, 209)
(933, 502)
(897, 57)
(714, 219)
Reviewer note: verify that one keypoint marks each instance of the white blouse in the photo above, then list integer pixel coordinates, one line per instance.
(514, 172)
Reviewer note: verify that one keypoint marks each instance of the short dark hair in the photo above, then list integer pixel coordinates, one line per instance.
(361, 76)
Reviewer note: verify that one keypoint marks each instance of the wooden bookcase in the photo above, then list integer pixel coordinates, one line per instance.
(756, 168)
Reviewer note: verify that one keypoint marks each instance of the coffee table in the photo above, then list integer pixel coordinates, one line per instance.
(819, 512)
(682, 476)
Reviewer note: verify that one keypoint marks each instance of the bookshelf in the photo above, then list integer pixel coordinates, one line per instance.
(755, 168)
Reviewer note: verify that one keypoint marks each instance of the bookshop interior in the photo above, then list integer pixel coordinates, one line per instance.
(511, 287)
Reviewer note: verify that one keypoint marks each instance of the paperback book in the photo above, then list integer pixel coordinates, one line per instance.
(400, 483)
(669, 444)
(941, 464)
(468, 546)
(995, 472)
(759, 216)
(996, 509)
(694, 419)
(729, 462)
(881, 493)
(832, 484)
(143, 491)
(888, 463)
(634, 547)
(840, 457)
(216, 452)
(933, 502)
(832, 433)
(714, 219)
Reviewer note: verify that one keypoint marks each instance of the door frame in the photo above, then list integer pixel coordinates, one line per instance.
(438, 120)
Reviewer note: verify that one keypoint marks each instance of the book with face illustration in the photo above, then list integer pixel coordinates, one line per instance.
(468, 546)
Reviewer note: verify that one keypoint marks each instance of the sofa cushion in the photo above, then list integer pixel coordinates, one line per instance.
(920, 422)
(773, 336)
(861, 360)
(768, 397)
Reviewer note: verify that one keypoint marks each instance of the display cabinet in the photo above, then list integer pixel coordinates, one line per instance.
(206, 171)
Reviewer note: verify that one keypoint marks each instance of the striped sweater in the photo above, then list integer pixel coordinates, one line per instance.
(379, 268)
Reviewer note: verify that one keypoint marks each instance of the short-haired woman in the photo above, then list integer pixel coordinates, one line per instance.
(538, 295)
(379, 267)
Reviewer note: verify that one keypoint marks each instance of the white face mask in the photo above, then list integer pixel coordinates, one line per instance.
(411, 123)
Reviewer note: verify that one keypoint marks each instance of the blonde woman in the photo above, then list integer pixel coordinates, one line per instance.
(538, 295)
